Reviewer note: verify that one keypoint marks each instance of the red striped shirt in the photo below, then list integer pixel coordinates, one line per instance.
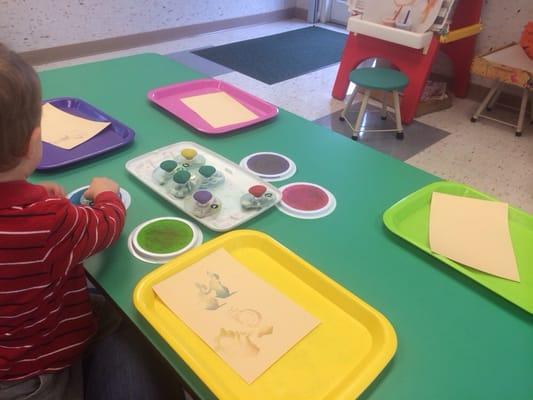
(46, 318)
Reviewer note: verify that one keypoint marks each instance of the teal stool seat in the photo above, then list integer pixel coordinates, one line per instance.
(385, 80)
(379, 78)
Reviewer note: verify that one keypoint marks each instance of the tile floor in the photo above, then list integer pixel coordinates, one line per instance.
(485, 155)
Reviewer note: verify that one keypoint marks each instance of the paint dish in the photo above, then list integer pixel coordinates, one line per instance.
(306, 200)
(269, 166)
(76, 197)
(162, 239)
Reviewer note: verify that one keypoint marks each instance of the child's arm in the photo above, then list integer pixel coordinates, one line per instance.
(97, 227)
(53, 189)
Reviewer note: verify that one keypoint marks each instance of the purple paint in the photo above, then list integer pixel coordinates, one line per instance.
(202, 196)
(268, 164)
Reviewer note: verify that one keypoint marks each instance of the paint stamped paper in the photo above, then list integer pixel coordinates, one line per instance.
(473, 232)
(219, 109)
(66, 130)
(243, 319)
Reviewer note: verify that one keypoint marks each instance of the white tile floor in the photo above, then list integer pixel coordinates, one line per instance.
(484, 155)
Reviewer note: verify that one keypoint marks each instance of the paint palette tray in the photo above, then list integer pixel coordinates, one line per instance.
(409, 219)
(236, 183)
(339, 359)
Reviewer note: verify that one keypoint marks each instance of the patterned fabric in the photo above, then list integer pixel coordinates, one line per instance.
(482, 67)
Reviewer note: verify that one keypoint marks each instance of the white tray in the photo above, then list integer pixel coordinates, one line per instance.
(390, 34)
(237, 181)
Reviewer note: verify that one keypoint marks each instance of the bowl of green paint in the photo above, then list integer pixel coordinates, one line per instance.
(164, 238)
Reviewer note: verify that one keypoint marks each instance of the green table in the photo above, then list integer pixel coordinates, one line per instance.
(456, 340)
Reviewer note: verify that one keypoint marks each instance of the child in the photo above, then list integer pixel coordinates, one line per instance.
(46, 316)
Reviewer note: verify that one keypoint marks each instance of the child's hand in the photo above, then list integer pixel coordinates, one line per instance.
(53, 189)
(99, 185)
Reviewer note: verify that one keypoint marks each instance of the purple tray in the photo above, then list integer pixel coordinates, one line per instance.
(168, 98)
(113, 136)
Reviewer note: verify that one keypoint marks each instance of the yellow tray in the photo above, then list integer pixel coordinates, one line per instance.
(337, 360)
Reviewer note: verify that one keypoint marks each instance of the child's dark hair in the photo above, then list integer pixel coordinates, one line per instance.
(20, 107)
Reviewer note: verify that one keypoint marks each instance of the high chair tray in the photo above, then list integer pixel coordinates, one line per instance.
(389, 34)
(409, 219)
(337, 360)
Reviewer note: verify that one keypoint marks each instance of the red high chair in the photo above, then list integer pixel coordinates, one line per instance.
(458, 44)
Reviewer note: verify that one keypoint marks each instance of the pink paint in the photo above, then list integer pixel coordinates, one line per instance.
(257, 190)
(305, 197)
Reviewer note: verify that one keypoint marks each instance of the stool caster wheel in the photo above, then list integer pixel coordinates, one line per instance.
(383, 118)
(399, 135)
(473, 119)
(341, 118)
(355, 138)
(518, 133)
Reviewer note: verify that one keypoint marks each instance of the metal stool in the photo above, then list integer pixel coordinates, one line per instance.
(383, 79)
(490, 100)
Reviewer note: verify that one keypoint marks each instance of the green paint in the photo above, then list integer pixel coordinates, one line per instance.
(207, 170)
(165, 236)
(168, 165)
(182, 176)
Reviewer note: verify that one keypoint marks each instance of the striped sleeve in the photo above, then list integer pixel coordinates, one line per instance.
(92, 229)
(99, 226)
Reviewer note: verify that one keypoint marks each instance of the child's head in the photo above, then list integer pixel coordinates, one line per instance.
(20, 112)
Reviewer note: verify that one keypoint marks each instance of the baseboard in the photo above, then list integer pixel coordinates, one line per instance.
(300, 13)
(59, 53)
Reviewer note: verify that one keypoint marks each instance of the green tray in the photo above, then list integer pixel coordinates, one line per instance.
(409, 219)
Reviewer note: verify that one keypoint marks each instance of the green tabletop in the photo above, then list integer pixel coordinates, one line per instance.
(456, 339)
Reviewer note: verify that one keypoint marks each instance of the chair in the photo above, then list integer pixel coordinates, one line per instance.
(383, 79)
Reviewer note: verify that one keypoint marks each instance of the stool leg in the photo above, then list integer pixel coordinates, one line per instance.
(397, 114)
(348, 105)
(384, 106)
(531, 111)
(485, 101)
(494, 99)
(522, 114)
(362, 109)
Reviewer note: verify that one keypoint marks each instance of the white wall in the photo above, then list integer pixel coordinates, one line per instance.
(503, 22)
(40, 24)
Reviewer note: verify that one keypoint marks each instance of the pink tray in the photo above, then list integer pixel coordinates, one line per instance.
(168, 98)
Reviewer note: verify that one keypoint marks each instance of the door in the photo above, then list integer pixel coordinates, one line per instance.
(339, 12)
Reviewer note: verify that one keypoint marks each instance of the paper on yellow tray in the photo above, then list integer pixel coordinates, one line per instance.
(473, 232)
(66, 130)
(219, 109)
(247, 322)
